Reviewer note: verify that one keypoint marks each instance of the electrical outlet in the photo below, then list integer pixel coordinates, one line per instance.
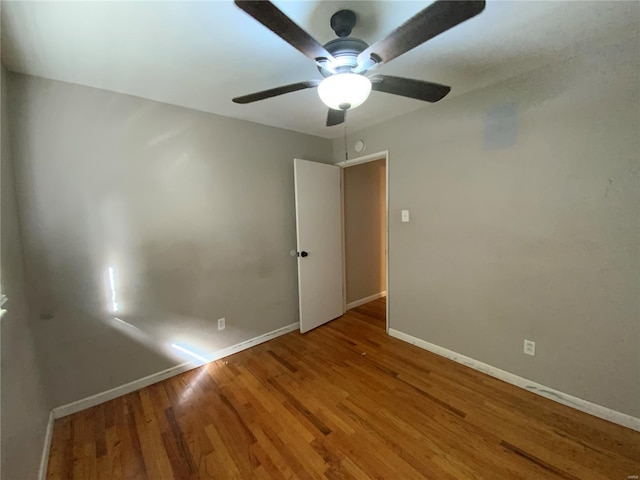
(221, 323)
(530, 347)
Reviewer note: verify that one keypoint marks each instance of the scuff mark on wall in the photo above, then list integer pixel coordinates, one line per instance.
(606, 190)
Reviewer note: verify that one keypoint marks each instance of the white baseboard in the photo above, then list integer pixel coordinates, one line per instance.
(116, 392)
(368, 299)
(44, 461)
(547, 392)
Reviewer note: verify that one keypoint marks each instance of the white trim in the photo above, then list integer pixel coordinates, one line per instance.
(372, 157)
(364, 300)
(343, 224)
(93, 400)
(44, 461)
(98, 398)
(542, 390)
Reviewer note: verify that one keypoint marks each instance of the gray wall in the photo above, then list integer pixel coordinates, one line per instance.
(525, 210)
(23, 407)
(193, 212)
(365, 229)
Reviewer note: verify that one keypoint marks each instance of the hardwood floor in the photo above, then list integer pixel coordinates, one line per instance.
(344, 401)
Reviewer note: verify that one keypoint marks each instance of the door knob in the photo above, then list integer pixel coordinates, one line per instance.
(303, 254)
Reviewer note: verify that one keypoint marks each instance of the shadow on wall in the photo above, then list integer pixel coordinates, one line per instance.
(97, 346)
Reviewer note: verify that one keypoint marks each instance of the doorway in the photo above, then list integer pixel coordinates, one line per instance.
(365, 231)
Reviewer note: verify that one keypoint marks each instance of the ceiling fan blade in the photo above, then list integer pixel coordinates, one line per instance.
(274, 92)
(275, 20)
(335, 117)
(408, 87)
(438, 17)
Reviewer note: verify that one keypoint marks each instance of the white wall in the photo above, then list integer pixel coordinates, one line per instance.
(193, 212)
(525, 223)
(23, 407)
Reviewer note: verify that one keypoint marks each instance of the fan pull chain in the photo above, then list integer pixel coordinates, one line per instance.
(346, 151)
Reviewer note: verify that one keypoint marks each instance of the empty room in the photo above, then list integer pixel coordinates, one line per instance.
(320, 240)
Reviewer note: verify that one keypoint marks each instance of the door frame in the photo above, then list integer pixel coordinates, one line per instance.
(383, 155)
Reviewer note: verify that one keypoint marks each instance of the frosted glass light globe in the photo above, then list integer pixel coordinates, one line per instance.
(344, 91)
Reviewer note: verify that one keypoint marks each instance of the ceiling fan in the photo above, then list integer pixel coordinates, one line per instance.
(345, 61)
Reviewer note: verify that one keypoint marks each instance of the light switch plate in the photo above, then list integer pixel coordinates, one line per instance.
(405, 215)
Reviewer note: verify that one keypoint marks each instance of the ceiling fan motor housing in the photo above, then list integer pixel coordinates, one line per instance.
(345, 52)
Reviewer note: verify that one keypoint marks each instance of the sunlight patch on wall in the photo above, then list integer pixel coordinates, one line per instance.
(191, 354)
(119, 320)
(112, 286)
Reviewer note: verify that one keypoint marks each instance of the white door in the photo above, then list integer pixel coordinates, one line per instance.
(319, 232)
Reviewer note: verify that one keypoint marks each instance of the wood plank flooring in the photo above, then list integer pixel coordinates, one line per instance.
(344, 401)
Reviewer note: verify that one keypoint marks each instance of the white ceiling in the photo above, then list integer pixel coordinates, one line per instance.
(201, 54)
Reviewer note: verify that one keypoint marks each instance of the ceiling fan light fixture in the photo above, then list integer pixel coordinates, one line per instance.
(344, 91)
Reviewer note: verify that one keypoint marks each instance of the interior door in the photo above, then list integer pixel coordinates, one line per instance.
(319, 233)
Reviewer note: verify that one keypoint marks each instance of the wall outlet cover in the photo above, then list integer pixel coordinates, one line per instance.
(221, 323)
(529, 347)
